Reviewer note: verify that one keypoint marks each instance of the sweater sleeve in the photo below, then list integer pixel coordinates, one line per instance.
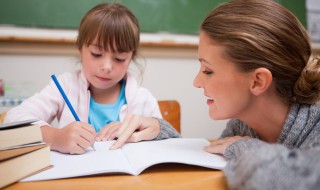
(166, 130)
(234, 150)
(273, 166)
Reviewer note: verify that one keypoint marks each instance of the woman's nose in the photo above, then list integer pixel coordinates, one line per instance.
(197, 81)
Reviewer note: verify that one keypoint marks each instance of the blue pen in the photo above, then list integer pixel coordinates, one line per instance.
(55, 80)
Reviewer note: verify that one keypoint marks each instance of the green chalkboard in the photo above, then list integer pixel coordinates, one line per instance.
(172, 16)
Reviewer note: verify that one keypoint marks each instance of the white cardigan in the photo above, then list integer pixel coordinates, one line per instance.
(48, 103)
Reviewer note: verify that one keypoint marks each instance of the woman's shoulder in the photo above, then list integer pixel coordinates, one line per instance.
(236, 123)
(315, 108)
(308, 112)
(238, 127)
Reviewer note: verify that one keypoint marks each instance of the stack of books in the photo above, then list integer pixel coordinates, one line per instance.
(22, 151)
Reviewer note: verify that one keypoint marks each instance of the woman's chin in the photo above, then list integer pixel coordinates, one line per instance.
(216, 116)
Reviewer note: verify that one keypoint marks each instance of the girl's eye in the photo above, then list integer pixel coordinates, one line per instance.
(207, 72)
(120, 60)
(96, 54)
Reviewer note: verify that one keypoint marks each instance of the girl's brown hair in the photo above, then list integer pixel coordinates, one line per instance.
(113, 26)
(262, 33)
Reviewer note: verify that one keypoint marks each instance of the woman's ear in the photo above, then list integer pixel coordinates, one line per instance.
(261, 81)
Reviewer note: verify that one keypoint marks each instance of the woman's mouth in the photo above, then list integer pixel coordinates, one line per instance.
(210, 101)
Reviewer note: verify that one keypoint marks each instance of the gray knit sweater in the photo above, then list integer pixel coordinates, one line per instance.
(292, 163)
(166, 130)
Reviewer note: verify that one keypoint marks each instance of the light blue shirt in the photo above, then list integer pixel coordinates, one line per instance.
(103, 114)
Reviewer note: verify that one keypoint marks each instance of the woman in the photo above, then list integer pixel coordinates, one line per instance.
(257, 70)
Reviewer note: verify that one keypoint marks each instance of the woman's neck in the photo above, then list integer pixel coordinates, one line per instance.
(267, 118)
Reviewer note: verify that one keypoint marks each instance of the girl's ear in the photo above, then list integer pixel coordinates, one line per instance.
(261, 81)
(80, 53)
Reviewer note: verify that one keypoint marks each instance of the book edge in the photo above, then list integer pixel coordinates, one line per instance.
(45, 165)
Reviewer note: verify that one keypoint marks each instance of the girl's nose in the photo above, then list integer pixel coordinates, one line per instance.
(106, 65)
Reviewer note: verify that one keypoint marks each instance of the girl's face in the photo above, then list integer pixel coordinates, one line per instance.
(104, 69)
(226, 88)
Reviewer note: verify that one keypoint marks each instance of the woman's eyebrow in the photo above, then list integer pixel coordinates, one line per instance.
(203, 60)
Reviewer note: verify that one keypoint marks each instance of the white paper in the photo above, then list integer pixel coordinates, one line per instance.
(133, 158)
(176, 150)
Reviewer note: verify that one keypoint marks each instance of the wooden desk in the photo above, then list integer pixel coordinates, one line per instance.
(162, 176)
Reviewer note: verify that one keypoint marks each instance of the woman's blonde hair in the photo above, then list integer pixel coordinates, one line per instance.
(114, 27)
(262, 33)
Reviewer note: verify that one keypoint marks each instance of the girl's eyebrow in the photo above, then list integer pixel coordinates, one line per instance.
(95, 45)
(116, 52)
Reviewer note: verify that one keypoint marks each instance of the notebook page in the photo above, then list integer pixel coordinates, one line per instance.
(176, 150)
(92, 162)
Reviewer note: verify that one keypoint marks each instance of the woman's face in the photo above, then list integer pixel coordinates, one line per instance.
(227, 88)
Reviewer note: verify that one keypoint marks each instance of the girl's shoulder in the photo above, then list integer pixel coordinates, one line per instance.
(74, 75)
(132, 87)
(71, 77)
(72, 80)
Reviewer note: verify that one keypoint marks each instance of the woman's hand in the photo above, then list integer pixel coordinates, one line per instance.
(109, 132)
(219, 146)
(74, 138)
(136, 128)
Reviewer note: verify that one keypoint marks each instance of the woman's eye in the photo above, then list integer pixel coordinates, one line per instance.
(207, 72)
(96, 54)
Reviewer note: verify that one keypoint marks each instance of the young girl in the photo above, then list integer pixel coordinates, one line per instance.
(102, 93)
(258, 71)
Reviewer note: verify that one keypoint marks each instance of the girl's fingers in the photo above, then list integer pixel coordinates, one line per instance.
(87, 135)
(112, 135)
(83, 143)
(107, 130)
(88, 127)
(77, 150)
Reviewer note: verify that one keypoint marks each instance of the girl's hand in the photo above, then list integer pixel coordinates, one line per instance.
(74, 138)
(108, 132)
(219, 146)
(136, 128)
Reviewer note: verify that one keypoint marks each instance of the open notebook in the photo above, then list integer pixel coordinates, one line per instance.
(132, 158)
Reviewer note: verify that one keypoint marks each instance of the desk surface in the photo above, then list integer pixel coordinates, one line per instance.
(162, 176)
